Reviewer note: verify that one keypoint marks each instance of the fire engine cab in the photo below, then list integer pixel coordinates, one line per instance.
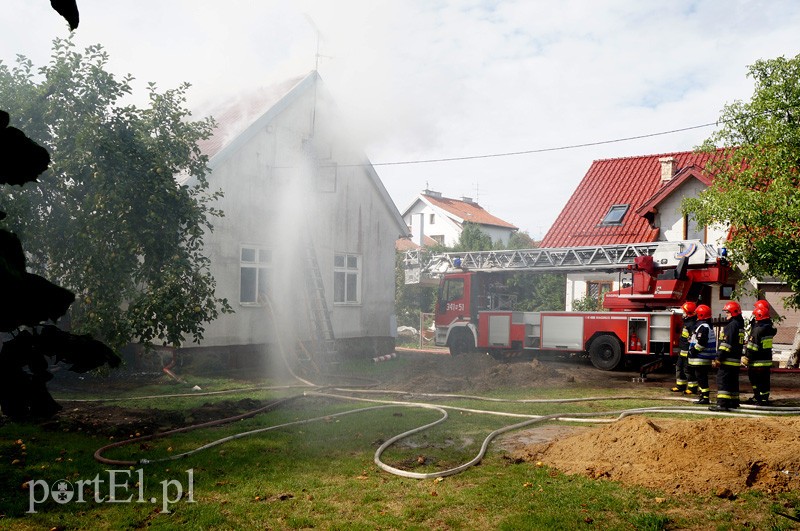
(473, 310)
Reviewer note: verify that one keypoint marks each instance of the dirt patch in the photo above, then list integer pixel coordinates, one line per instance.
(108, 420)
(477, 373)
(720, 456)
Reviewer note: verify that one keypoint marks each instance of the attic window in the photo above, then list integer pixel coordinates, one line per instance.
(614, 215)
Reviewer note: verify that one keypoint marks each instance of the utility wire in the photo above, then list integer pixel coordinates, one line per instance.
(544, 150)
(558, 148)
(586, 144)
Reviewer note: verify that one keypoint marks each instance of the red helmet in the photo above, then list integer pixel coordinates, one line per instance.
(703, 312)
(761, 304)
(732, 307)
(689, 308)
(761, 313)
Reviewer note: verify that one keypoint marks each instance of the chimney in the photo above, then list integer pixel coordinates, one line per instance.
(466, 199)
(431, 193)
(668, 167)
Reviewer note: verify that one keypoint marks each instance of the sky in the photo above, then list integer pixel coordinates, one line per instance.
(422, 80)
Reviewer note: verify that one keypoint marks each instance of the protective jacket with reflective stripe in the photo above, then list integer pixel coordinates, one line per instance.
(759, 344)
(731, 341)
(689, 324)
(703, 344)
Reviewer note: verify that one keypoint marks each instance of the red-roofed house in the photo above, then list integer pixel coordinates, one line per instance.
(293, 182)
(638, 199)
(442, 219)
(634, 200)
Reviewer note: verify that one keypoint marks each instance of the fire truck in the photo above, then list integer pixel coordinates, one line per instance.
(474, 312)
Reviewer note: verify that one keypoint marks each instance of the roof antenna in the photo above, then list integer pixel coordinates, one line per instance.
(317, 55)
(318, 33)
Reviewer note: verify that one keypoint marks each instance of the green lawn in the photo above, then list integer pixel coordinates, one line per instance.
(320, 474)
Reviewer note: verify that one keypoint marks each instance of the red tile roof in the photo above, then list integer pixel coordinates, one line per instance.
(632, 181)
(466, 211)
(405, 244)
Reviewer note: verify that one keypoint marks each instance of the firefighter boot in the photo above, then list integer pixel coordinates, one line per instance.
(703, 400)
(759, 399)
(692, 389)
(721, 405)
(680, 388)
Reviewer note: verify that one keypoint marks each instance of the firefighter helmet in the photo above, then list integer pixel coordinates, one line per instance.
(689, 308)
(761, 313)
(732, 307)
(703, 312)
(761, 304)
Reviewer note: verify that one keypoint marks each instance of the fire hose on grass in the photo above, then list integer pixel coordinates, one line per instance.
(592, 417)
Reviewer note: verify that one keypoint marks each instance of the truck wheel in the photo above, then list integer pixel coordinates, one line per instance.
(461, 343)
(605, 353)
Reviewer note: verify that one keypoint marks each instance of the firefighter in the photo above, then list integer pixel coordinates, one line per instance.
(752, 322)
(758, 354)
(702, 351)
(685, 380)
(729, 358)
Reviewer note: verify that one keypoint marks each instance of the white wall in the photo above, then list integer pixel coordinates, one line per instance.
(671, 220)
(442, 225)
(497, 234)
(269, 195)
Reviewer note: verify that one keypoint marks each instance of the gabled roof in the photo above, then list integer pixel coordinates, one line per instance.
(241, 118)
(461, 211)
(683, 175)
(632, 181)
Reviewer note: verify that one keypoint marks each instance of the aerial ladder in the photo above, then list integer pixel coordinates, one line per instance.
(422, 267)
(470, 313)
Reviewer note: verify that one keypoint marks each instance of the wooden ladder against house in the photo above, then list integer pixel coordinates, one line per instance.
(318, 314)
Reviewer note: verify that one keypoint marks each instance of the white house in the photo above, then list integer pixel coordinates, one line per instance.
(308, 228)
(442, 219)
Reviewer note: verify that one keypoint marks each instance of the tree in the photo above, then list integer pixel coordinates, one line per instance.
(534, 292)
(472, 238)
(410, 299)
(108, 219)
(755, 186)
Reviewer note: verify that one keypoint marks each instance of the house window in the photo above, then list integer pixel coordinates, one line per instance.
(693, 232)
(597, 290)
(346, 279)
(255, 264)
(726, 292)
(438, 238)
(432, 219)
(614, 215)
